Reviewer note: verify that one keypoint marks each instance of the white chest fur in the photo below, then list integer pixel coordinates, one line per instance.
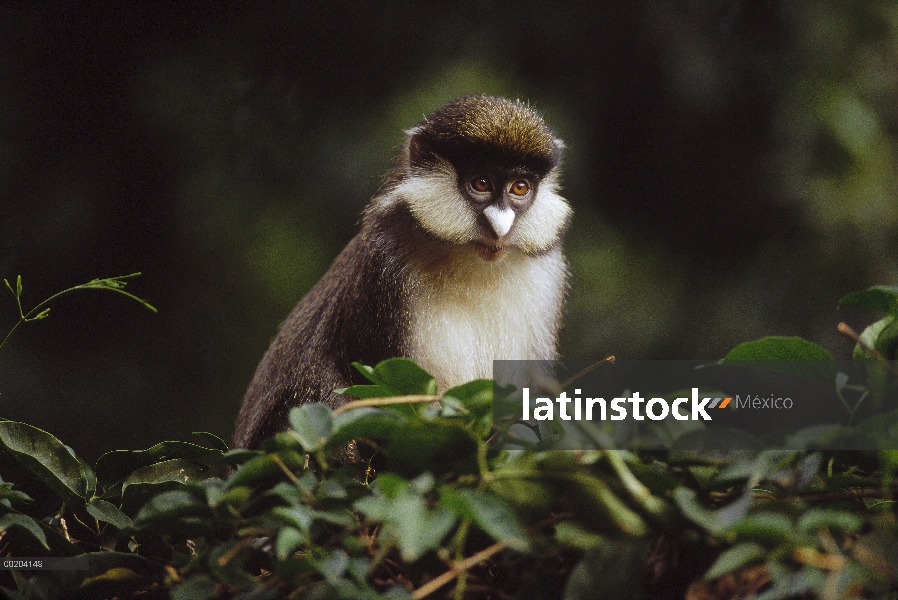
(467, 312)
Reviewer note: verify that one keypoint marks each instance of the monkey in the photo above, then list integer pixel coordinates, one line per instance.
(458, 261)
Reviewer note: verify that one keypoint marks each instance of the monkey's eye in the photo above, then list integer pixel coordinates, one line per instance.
(481, 184)
(520, 188)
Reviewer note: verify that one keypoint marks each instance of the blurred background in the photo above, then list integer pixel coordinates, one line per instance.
(731, 165)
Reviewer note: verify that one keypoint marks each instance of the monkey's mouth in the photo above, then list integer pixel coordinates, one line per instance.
(489, 251)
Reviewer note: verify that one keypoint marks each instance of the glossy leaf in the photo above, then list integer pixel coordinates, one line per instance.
(9, 496)
(816, 519)
(492, 516)
(399, 377)
(882, 336)
(766, 528)
(735, 558)
(179, 470)
(289, 539)
(24, 523)
(264, 468)
(368, 422)
(48, 458)
(408, 520)
(778, 348)
(119, 464)
(108, 512)
(195, 588)
(313, 424)
(881, 298)
(170, 505)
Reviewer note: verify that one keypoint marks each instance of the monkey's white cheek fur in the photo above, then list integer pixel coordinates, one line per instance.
(500, 219)
(435, 202)
(540, 228)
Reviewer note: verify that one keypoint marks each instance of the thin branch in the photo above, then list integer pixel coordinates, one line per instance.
(459, 568)
(412, 399)
(592, 367)
(475, 559)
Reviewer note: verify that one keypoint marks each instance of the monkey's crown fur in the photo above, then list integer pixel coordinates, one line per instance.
(492, 124)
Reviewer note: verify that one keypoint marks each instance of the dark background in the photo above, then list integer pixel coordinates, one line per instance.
(731, 164)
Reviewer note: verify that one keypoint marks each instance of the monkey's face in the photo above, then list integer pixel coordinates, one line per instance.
(482, 172)
(498, 198)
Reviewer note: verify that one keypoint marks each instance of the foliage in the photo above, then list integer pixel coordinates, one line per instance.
(42, 310)
(428, 507)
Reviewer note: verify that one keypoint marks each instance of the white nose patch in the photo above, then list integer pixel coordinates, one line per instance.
(500, 219)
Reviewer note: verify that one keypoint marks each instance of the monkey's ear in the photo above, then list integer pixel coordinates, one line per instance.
(416, 146)
(555, 155)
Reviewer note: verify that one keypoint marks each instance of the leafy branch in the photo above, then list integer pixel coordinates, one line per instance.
(42, 310)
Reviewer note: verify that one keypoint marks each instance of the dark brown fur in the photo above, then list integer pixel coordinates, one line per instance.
(356, 312)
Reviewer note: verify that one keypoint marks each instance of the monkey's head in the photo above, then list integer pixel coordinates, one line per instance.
(483, 171)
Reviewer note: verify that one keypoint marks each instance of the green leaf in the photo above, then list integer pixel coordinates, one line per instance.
(368, 391)
(376, 508)
(406, 377)
(9, 496)
(431, 446)
(170, 505)
(391, 484)
(418, 528)
(300, 517)
(282, 441)
(14, 520)
(179, 470)
(263, 468)
(778, 348)
(109, 513)
(577, 536)
(408, 520)
(520, 483)
(289, 539)
(492, 516)
(115, 575)
(333, 565)
(49, 459)
(689, 505)
(196, 588)
(882, 336)
(735, 558)
(615, 569)
(396, 377)
(313, 424)
(475, 396)
(881, 298)
(235, 497)
(367, 371)
(768, 528)
(367, 422)
(240, 456)
(119, 464)
(816, 519)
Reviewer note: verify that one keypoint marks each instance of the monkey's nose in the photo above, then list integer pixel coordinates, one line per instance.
(500, 219)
